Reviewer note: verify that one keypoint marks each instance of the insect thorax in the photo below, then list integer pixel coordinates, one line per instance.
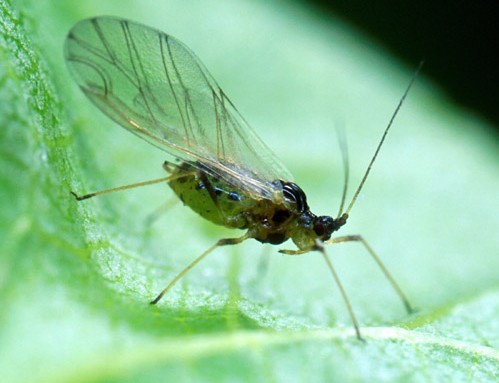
(267, 221)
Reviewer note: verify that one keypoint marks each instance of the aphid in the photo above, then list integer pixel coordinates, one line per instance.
(154, 86)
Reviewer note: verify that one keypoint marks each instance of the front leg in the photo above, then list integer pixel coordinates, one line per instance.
(297, 252)
(381, 265)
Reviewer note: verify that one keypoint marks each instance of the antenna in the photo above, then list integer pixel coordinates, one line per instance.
(390, 123)
(342, 143)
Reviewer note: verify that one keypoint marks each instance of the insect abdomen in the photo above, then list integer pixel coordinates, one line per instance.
(211, 198)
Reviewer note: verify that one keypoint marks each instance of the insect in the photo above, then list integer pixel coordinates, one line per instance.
(154, 86)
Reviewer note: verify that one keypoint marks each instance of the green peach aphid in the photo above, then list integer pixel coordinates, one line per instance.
(154, 86)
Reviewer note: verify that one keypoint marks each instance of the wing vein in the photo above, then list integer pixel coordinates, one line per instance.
(154, 86)
(170, 84)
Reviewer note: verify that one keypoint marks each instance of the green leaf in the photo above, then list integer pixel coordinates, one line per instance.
(76, 278)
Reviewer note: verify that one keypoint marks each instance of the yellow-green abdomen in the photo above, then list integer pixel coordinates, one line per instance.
(211, 198)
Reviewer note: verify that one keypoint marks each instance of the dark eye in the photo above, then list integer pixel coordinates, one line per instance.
(324, 226)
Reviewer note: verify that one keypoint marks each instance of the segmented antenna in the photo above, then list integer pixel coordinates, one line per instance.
(342, 143)
(361, 185)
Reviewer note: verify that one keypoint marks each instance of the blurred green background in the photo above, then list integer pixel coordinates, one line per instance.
(75, 279)
(454, 37)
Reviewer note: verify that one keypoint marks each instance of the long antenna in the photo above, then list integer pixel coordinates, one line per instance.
(361, 185)
(342, 142)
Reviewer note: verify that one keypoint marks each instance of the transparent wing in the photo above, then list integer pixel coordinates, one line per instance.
(153, 85)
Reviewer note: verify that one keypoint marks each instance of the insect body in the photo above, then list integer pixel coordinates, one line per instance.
(154, 86)
(271, 221)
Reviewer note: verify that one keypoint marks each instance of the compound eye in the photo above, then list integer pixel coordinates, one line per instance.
(324, 227)
(319, 229)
